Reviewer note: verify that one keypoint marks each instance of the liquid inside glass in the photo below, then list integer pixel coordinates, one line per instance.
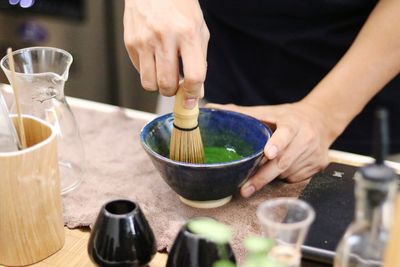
(288, 256)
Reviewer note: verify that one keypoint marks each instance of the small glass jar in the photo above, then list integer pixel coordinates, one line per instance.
(286, 221)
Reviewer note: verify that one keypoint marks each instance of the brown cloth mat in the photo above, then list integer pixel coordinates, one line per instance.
(118, 167)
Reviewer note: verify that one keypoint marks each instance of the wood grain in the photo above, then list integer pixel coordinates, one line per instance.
(31, 223)
(74, 252)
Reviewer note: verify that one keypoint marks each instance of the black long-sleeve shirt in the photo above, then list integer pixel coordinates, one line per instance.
(272, 52)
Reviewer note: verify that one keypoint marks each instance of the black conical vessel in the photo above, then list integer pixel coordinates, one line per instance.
(191, 250)
(121, 236)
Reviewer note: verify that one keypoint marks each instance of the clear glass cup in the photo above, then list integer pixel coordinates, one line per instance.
(286, 221)
(41, 73)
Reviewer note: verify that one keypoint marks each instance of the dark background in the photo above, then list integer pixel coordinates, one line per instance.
(92, 31)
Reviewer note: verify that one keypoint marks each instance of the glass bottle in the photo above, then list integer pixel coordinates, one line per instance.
(364, 242)
(41, 73)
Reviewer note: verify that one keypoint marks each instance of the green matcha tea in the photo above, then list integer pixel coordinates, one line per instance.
(220, 154)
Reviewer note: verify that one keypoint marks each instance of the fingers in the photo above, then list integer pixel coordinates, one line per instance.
(303, 174)
(301, 162)
(147, 67)
(133, 55)
(156, 34)
(294, 150)
(311, 165)
(284, 134)
(167, 68)
(194, 69)
(264, 175)
(297, 149)
(271, 170)
(309, 156)
(281, 138)
(204, 40)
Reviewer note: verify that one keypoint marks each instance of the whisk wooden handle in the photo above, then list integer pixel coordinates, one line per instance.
(184, 118)
(186, 144)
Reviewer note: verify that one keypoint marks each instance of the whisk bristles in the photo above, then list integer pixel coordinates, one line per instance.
(186, 145)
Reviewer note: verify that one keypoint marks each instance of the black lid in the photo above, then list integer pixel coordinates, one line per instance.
(378, 173)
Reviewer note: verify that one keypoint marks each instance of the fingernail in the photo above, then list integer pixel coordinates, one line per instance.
(272, 151)
(248, 190)
(190, 103)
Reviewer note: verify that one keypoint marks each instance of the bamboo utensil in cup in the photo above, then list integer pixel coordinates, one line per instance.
(186, 143)
(31, 221)
(20, 125)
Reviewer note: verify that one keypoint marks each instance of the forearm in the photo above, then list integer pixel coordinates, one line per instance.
(370, 63)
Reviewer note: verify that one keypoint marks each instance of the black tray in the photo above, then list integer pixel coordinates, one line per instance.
(331, 194)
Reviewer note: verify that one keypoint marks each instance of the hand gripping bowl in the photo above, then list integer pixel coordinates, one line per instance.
(208, 185)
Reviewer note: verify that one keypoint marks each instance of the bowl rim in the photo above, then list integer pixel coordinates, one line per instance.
(205, 165)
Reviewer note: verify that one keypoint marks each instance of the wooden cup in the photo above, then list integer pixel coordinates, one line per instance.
(31, 221)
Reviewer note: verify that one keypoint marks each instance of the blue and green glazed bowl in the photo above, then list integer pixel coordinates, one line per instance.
(208, 185)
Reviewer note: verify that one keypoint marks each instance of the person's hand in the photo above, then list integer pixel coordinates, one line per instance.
(298, 147)
(159, 32)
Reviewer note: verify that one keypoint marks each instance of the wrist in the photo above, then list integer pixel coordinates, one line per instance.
(334, 121)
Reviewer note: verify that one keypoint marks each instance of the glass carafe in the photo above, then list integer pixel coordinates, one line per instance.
(41, 73)
(365, 240)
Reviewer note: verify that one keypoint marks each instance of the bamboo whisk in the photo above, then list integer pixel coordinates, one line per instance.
(186, 144)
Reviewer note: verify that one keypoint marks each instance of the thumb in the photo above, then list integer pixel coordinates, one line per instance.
(263, 176)
(281, 138)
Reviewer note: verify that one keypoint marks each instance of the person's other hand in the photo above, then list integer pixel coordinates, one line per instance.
(156, 34)
(298, 147)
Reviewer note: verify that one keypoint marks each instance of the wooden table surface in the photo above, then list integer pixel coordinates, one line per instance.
(74, 252)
